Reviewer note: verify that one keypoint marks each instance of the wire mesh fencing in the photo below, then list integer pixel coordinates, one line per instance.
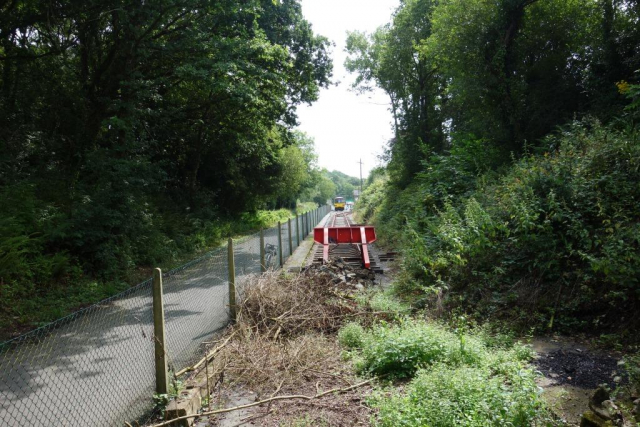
(246, 253)
(94, 367)
(196, 297)
(97, 367)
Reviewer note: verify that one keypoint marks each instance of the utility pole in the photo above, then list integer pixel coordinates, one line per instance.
(360, 176)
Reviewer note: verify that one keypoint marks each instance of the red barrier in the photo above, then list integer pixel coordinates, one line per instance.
(360, 235)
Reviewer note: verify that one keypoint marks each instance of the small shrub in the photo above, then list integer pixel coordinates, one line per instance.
(351, 335)
(400, 350)
(371, 200)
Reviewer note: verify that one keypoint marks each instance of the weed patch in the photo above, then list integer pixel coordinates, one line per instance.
(457, 377)
(351, 336)
(400, 350)
(469, 396)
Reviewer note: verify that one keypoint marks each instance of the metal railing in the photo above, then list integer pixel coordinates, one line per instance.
(97, 366)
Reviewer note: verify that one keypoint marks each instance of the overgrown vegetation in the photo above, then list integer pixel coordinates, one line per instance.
(457, 377)
(285, 343)
(466, 396)
(553, 241)
(511, 185)
(133, 134)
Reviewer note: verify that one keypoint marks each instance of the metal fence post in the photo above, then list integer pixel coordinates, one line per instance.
(162, 377)
(290, 238)
(280, 243)
(232, 281)
(263, 267)
(297, 231)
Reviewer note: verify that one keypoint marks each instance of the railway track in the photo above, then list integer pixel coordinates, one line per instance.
(339, 219)
(349, 252)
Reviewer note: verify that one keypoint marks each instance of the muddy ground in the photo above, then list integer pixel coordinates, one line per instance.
(571, 371)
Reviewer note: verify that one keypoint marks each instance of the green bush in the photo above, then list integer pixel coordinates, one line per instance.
(372, 197)
(400, 350)
(351, 335)
(458, 377)
(261, 219)
(305, 207)
(464, 396)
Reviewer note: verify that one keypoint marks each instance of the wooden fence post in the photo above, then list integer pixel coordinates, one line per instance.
(290, 238)
(162, 377)
(263, 267)
(232, 281)
(280, 243)
(297, 231)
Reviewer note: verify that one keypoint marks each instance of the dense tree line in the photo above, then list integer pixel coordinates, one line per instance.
(125, 124)
(508, 71)
(512, 178)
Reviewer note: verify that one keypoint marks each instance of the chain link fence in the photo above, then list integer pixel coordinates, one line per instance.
(96, 366)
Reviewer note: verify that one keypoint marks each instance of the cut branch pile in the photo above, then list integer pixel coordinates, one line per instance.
(277, 306)
(281, 348)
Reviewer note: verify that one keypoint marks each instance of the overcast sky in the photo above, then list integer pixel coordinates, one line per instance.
(346, 126)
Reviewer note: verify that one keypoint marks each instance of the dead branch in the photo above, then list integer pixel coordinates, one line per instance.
(207, 358)
(261, 402)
